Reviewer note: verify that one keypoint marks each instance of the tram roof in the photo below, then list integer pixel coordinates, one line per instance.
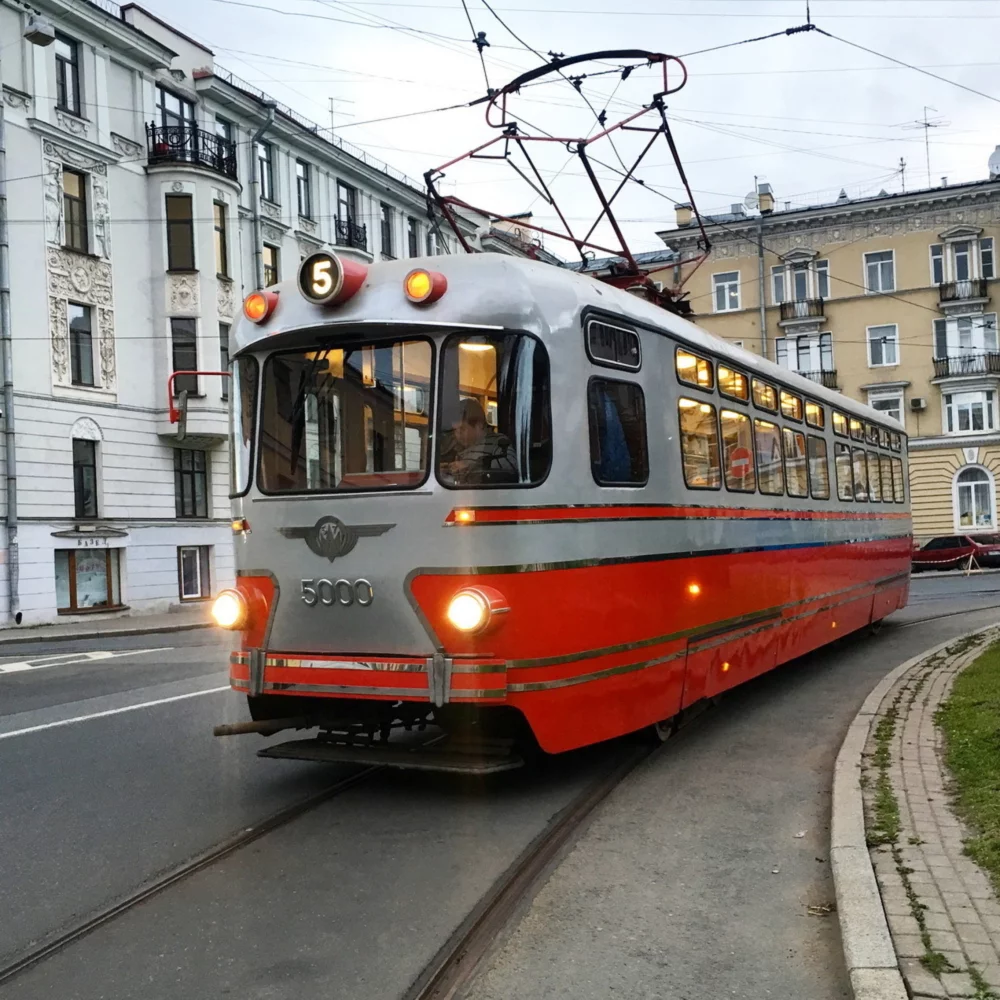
(497, 291)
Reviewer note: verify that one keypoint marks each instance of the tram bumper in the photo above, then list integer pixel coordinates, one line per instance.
(437, 680)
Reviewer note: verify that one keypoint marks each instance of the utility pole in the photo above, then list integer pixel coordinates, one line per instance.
(38, 32)
(902, 172)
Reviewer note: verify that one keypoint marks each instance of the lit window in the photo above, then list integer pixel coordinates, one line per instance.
(699, 444)
(857, 429)
(695, 370)
(737, 450)
(767, 438)
(765, 395)
(791, 406)
(814, 414)
(733, 383)
(796, 475)
(842, 463)
(839, 423)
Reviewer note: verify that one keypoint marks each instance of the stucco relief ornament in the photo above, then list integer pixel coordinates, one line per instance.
(183, 294)
(102, 215)
(224, 300)
(269, 209)
(307, 226)
(125, 146)
(109, 374)
(53, 201)
(16, 100)
(177, 187)
(80, 279)
(59, 338)
(72, 124)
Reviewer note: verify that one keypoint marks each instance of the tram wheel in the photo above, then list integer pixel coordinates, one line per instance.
(875, 627)
(660, 732)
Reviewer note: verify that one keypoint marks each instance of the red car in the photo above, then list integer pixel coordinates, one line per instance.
(953, 551)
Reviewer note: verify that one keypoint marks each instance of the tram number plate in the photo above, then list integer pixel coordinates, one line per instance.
(342, 592)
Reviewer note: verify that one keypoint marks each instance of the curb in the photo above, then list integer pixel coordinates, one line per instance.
(18, 638)
(869, 953)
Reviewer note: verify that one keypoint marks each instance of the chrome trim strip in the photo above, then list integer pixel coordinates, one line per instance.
(385, 665)
(410, 694)
(596, 675)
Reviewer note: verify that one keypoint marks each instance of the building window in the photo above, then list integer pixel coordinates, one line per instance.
(81, 344)
(805, 354)
(937, 263)
(883, 346)
(962, 257)
(175, 112)
(412, 241)
(986, 257)
(75, 210)
(879, 272)
(85, 478)
(190, 483)
(726, 291)
(890, 405)
(969, 412)
(822, 271)
(432, 243)
(180, 233)
(265, 171)
(224, 357)
(385, 219)
(224, 130)
(271, 256)
(67, 74)
(973, 499)
(778, 284)
(346, 202)
(302, 189)
(221, 246)
(193, 580)
(87, 579)
(965, 336)
(184, 340)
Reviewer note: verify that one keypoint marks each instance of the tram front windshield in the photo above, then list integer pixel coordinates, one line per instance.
(361, 417)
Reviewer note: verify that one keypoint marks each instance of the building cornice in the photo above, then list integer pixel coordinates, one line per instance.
(806, 220)
(952, 441)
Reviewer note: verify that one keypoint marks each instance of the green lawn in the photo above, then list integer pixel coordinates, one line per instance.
(971, 722)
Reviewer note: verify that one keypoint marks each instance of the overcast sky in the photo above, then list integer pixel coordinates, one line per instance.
(807, 113)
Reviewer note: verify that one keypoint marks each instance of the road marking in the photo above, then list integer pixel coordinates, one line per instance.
(64, 659)
(112, 711)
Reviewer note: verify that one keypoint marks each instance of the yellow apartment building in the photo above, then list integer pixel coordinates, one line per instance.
(893, 301)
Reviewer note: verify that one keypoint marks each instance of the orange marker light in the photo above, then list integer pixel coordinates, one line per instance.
(423, 287)
(465, 516)
(257, 306)
(725, 667)
(694, 589)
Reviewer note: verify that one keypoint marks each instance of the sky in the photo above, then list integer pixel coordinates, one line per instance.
(806, 113)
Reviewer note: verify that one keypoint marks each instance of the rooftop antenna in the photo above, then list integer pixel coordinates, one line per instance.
(346, 114)
(927, 124)
(902, 172)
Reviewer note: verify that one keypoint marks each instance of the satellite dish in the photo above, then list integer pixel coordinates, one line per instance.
(994, 163)
(752, 201)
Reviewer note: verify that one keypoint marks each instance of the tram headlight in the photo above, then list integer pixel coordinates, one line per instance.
(230, 610)
(423, 287)
(473, 609)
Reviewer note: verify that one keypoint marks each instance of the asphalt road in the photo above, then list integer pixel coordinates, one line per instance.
(355, 897)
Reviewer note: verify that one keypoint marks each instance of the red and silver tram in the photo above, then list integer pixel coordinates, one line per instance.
(498, 497)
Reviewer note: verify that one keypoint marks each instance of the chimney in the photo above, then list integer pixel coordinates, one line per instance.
(684, 214)
(737, 209)
(944, 182)
(765, 197)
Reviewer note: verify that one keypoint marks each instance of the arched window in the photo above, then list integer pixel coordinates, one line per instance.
(973, 496)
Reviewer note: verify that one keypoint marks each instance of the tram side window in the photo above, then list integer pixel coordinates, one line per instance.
(871, 434)
(874, 478)
(767, 438)
(886, 465)
(857, 429)
(796, 476)
(839, 423)
(699, 444)
(883, 438)
(737, 451)
(694, 370)
(898, 489)
(819, 470)
(242, 410)
(791, 406)
(842, 462)
(765, 395)
(814, 414)
(618, 453)
(614, 346)
(860, 474)
(336, 420)
(495, 424)
(733, 383)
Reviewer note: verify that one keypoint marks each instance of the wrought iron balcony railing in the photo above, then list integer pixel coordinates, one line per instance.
(802, 309)
(350, 234)
(827, 378)
(187, 144)
(969, 363)
(959, 291)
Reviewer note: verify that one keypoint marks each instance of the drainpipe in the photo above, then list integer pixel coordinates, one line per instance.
(258, 237)
(760, 286)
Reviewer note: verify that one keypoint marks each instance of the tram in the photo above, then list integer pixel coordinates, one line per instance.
(500, 501)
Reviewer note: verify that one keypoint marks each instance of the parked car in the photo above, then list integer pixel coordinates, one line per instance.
(953, 551)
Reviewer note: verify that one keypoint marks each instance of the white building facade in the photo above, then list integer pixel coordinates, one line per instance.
(129, 169)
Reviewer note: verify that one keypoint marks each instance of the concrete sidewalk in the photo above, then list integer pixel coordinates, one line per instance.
(179, 620)
(910, 901)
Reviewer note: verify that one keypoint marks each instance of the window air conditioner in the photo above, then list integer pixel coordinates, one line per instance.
(918, 403)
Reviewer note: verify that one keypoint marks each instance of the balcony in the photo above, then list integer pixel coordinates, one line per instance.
(802, 312)
(971, 363)
(350, 234)
(963, 291)
(827, 378)
(195, 146)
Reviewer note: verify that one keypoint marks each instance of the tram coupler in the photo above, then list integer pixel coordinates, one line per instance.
(264, 727)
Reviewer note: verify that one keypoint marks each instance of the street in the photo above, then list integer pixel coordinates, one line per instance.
(110, 776)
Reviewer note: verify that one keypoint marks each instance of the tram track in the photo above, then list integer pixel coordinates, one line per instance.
(947, 614)
(148, 890)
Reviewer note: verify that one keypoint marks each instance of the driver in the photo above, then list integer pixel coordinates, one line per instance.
(483, 452)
